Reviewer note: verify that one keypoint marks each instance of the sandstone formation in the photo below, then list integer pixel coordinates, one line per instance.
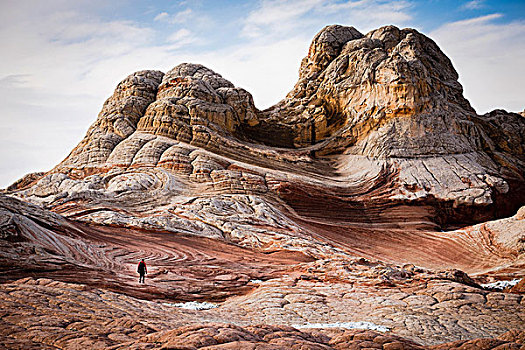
(373, 193)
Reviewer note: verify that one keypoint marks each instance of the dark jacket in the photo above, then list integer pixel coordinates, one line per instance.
(142, 268)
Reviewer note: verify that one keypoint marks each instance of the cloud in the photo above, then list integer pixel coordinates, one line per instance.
(58, 66)
(489, 57)
(276, 16)
(180, 38)
(179, 35)
(474, 5)
(58, 52)
(163, 16)
(179, 17)
(38, 127)
(468, 24)
(282, 17)
(268, 70)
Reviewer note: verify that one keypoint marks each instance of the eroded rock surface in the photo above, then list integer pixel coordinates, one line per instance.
(366, 195)
(380, 111)
(47, 314)
(282, 289)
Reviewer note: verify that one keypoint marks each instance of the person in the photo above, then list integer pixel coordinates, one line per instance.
(142, 270)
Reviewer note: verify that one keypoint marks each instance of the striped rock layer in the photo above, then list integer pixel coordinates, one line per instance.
(373, 178)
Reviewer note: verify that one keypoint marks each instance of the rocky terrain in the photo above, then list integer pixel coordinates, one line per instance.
(370, 208)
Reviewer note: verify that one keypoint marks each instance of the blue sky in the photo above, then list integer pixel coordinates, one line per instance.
(61, 59)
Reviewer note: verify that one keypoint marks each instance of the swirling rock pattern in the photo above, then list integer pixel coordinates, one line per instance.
(356, 198)
(389, 99)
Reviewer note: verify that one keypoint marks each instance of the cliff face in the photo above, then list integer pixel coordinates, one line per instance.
(376, 121)
(376, 135)
(375, 153)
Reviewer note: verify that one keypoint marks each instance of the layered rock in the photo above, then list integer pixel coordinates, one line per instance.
(386, 100)
(375, 138)
(247, 287)
(369, 185)
(117, 120)
(382, 87)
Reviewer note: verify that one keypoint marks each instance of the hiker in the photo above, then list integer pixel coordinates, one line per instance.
(142, 270)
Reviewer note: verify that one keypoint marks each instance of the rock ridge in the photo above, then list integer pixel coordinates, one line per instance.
(387, 99)
(372, 194)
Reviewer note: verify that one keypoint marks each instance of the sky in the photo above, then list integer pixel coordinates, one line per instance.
(61, 59)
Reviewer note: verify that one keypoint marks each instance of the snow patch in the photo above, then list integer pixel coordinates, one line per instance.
(256, 281)
(501, 284)
(194, 305)
(347, 325)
